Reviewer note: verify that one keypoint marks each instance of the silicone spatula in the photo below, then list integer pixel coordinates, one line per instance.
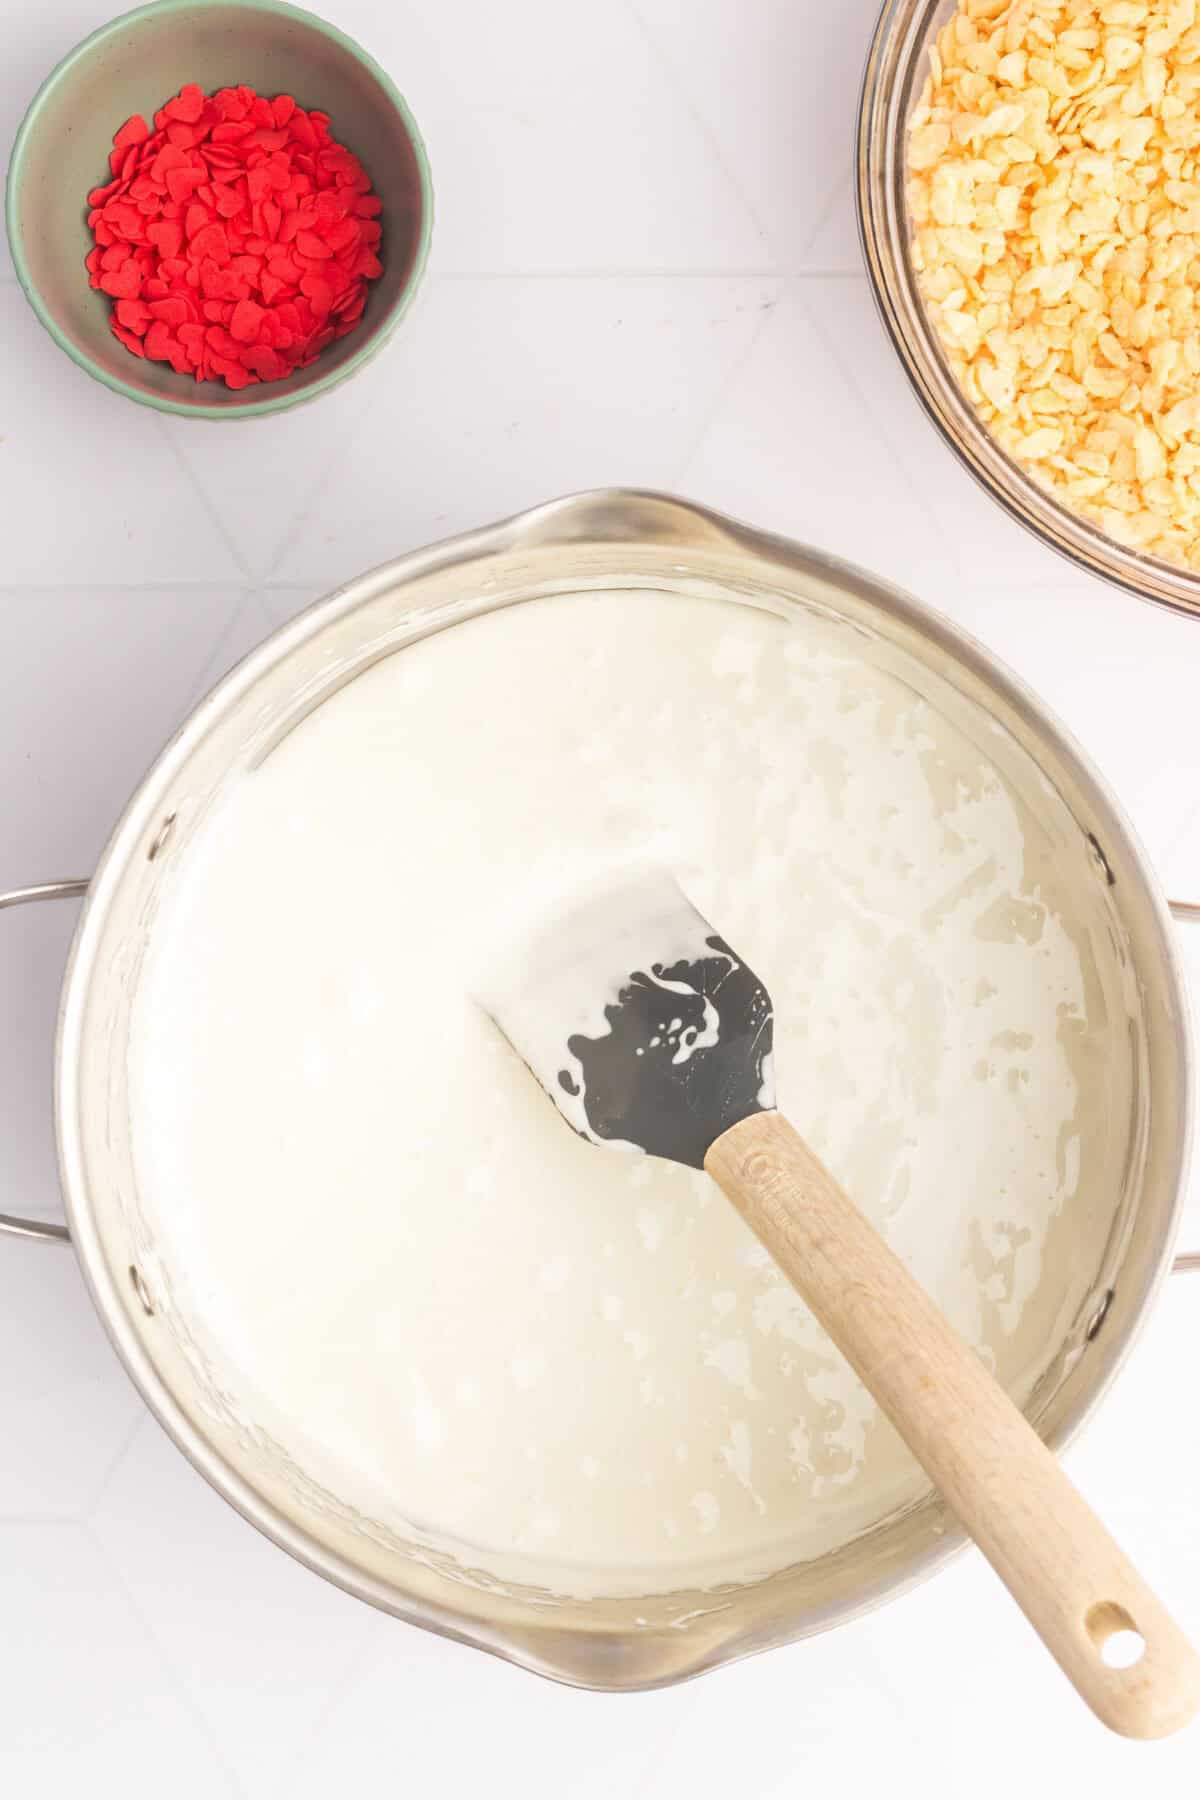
(652, 1035)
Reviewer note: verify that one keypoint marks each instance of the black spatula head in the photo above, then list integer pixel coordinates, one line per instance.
(642, 1024)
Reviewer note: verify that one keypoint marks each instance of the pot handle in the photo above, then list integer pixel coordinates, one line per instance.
(39, 1229)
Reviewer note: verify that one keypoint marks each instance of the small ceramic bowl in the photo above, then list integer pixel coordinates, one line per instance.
(134, 65)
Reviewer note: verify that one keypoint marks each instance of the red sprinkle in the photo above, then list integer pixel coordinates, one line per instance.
(237, 238)
(133, 131)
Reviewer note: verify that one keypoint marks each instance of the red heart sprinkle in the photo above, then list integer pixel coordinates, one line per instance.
(172, 311)
(310, 243)
(212, 241)
(128, 338)
(134, 315)
(169, 157)
(124, 283)
(134, 131)
(156, 341)
(182, 183)
(247, 317)
(167, 237)
(342, 236)
(124, 219)
(318, 291)
(228, 201)
(188, 106)
(266, 363)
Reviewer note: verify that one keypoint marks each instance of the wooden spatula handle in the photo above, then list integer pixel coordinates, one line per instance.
(1057, 1560)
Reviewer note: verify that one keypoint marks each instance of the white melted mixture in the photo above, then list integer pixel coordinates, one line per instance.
(572, 1366)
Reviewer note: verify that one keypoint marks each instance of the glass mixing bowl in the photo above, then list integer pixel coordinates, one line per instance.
(895, 75)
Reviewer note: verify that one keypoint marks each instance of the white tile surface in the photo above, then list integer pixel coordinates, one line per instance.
(561, 139)
(250, 1634)
(130, 517)
(90, 1706)
(65, 1424)
(482, 407)
(645, 272)
(35, 38)
(776, 85)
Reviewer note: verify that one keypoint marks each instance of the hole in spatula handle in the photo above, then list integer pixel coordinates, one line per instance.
(1120, 1643)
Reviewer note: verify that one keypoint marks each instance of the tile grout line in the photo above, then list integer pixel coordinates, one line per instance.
(767, 272)
(658, 1759)
(244, 585)
(210, 511)
(634, 13)
(58, 1521)
(837, 194)
(102, 1486)
(216, 662)
(288, 1769)
(117, 587)
(898, 460)
(299, 517)
(711, 411)
(648, 272)
(174, 1680)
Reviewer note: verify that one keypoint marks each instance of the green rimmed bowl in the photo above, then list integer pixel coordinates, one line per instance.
(134, 64)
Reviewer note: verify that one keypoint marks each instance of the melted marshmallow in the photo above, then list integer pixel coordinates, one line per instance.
(568, 1366)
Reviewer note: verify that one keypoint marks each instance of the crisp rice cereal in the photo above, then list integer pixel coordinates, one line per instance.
(1054, 196)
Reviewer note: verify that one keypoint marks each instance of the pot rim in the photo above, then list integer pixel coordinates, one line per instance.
(613, 515)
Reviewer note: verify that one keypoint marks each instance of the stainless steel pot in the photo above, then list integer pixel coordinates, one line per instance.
(608, 539)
